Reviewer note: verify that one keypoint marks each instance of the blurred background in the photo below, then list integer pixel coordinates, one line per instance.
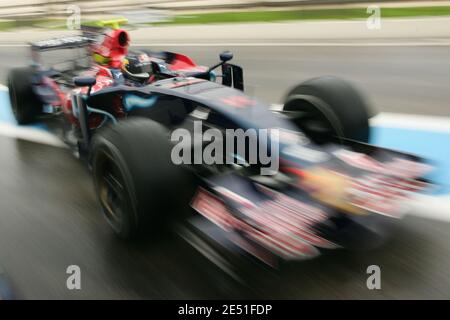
(399, 55)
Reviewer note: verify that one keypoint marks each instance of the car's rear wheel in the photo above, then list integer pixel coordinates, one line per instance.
(329, 108)
(24, 102)
(138, 186)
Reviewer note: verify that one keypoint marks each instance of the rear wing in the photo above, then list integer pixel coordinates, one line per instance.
(89, 34)
(60, 43)
(64, 54)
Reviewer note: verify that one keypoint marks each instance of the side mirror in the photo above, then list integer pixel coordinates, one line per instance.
(84, 81)
(226, 56)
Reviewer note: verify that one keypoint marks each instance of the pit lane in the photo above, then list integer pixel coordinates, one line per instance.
(50, 218)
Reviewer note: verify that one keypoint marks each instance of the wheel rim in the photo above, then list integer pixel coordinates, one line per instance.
(111, 190)
(312, 121)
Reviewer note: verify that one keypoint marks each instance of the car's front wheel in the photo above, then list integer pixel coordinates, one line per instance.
(329, 108)
(138, 186)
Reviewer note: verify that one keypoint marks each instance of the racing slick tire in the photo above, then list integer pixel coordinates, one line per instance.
(24, 102)
(329, 107)
(138, 186)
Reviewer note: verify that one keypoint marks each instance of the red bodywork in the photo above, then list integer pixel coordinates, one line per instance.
(182, 62)
(113, 50)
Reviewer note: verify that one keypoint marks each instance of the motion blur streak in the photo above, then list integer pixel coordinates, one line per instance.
(63, 226)
(50, 217)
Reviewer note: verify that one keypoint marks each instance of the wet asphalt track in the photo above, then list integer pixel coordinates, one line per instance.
(50, 218)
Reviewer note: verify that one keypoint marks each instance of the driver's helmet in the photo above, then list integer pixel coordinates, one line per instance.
(137, 65)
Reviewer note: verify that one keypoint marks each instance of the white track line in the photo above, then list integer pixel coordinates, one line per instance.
(14, 45)
(404, 121)
(276, 106)
(430, 207)
(412, 121)
(30, 134)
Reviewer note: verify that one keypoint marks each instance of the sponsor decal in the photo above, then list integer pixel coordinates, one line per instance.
(238, 101)
(383, 194)
(131, 102)
(61, 41)
(397, 167)
(305, 153)
(180, 82)
(282, 224)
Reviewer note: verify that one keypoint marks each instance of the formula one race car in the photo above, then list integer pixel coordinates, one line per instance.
(155, 129)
